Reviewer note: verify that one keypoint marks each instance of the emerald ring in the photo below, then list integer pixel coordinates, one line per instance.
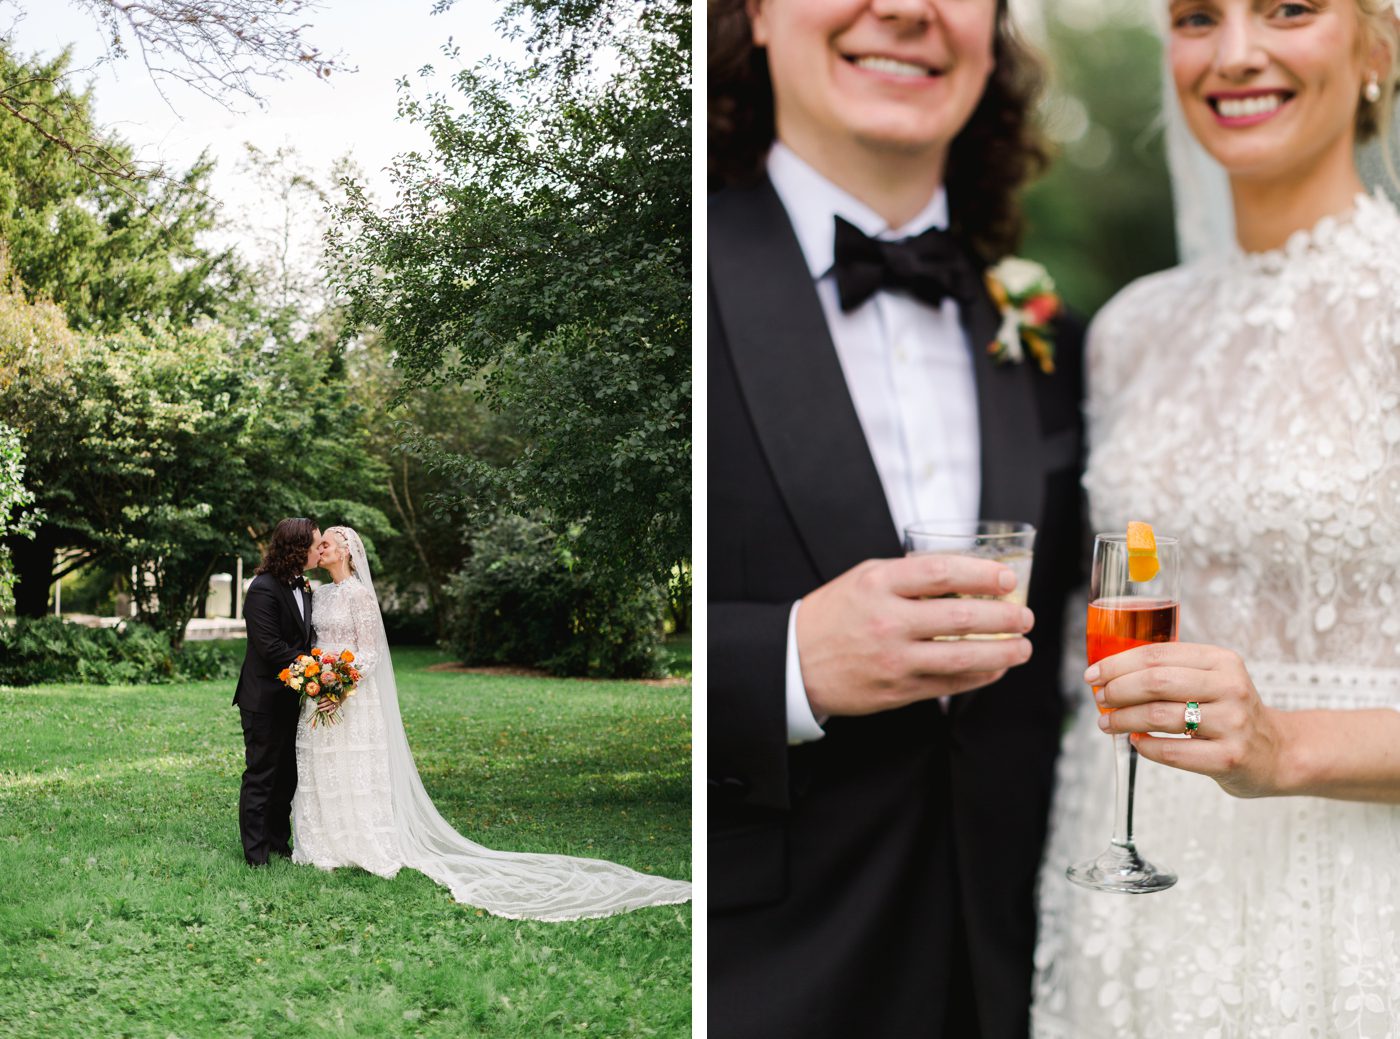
(1193, 717)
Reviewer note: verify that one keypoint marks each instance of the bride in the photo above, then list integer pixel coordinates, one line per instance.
(359, 801)
(1250, 404)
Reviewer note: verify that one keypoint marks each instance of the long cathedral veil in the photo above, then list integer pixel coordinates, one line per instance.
(518, 885)
(1205, 215)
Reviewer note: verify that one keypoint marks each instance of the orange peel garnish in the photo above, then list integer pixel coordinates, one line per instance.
(1143, 564)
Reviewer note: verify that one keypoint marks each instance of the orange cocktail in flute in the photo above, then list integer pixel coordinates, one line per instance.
(1133, 601)
(1120, 624)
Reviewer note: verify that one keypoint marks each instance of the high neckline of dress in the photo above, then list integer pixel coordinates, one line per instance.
(1371, 217)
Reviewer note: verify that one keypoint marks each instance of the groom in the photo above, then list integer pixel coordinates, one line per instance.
(277, 611)
(877, 799)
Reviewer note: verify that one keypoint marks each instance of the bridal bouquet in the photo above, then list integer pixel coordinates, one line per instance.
(325, 678)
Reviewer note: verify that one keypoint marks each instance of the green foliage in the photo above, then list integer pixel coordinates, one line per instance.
(210, 659)
(128, 910)
(154, 436)
(1103, 215)
(52, 650)
(680, 590)
(36, 345)
(167, 450)
(13, 499)
(171, 447)
(541, 252)
(109, 250)
(525, 597)
(165, 412)
(427, 545)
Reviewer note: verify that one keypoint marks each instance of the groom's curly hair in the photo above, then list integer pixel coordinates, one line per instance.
(286, 552)
(998, 151)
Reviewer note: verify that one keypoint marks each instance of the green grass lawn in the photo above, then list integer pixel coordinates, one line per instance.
(126, 909)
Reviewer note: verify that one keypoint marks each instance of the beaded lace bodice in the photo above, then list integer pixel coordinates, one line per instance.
(1251, 406)
(345, 615)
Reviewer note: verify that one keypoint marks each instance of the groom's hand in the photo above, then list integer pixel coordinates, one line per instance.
(865, 639)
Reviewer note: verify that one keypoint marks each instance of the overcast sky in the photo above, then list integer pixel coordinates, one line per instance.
(352, 113)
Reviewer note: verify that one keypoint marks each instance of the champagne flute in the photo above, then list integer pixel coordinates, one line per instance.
(1124, 613)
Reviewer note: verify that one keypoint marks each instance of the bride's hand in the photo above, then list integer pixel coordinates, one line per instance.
(1240, 742)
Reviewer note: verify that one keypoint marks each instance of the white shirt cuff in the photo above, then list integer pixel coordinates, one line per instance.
(802, 725)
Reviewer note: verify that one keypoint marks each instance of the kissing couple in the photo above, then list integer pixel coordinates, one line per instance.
(349, 794)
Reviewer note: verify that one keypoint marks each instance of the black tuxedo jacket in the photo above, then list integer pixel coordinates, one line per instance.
(852, 878)
(277, 635)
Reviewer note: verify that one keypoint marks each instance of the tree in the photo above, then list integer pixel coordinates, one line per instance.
(171, 405)
(13, 499)
(208, 449)
(541, 252)
(292, 289)
(433, 536)
(37, 354)
(170, 452)
(292, 302)
(108, 257)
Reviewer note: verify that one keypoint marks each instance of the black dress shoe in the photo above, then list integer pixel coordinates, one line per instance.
(256, 864)
(285, 853)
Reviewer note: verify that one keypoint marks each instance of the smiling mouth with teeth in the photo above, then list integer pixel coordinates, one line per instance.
(1244, 107)
(892, 66)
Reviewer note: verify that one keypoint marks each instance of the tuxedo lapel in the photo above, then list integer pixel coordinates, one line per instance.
(1008, 422)
(1013, 486)
(792, 383)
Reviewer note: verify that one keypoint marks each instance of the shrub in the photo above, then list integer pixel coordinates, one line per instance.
(524, 598)
(49, 649)
(209, 660)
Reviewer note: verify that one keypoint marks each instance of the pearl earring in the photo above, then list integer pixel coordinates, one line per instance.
(1372, 92)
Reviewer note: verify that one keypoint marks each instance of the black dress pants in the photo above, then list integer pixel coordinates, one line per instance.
(269, 781)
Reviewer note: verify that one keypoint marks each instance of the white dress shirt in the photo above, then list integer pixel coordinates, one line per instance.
(908, 367)
(299, 597)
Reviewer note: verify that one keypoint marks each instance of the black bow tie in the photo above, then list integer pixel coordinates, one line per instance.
(930, 266)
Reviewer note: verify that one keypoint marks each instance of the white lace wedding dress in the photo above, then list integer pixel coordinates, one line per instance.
(360, 802)
(1251, 406)
(342, 813)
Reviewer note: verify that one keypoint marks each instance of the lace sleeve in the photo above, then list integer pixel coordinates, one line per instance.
(364, 615)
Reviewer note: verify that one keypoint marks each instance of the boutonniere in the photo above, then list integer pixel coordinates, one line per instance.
(1024, 292)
